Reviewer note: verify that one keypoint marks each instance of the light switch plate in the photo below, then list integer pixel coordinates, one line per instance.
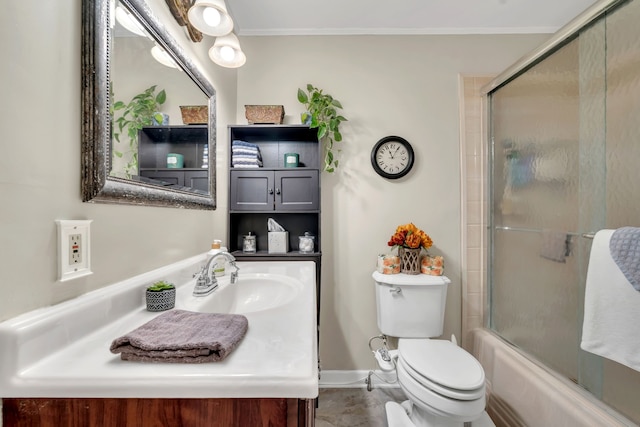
(74, 244)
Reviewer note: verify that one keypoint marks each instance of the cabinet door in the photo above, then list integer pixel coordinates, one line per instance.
(251, 190)
(297, 190)
(198, 180)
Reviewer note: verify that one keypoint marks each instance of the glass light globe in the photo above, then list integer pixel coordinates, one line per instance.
(227, 53)
(211, 16)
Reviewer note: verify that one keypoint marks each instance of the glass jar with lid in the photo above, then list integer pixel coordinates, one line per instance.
(306, 243)
(249, 243)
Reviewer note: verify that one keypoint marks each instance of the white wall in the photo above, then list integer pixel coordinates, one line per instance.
(388, 85)
(40, 123)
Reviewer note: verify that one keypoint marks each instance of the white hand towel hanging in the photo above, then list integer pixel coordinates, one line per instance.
(612, 308)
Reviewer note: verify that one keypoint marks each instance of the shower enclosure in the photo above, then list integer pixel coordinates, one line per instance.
(565, 163)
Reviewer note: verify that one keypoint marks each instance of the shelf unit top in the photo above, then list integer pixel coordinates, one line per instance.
(186, 133)
(252, 133)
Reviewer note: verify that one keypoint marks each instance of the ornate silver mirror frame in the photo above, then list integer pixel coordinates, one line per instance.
(97, 184)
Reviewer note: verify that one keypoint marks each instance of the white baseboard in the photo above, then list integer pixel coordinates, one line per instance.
(356, 379)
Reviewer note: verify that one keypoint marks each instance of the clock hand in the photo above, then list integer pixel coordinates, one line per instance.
(394, 153)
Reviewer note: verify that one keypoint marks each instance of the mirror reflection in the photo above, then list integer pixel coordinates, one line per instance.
(140, 145)
(159, 115)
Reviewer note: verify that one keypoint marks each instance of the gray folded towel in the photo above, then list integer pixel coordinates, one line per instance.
(180, 336)
(555, 245)
(624, 246)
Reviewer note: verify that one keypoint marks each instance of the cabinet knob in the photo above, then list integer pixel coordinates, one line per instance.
(277, 191)
(271, 191)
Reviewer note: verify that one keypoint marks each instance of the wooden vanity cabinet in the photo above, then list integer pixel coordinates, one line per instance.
(155, 142)
(85, 412)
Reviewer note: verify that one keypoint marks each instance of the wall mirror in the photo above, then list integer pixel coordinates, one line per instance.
(165, 162)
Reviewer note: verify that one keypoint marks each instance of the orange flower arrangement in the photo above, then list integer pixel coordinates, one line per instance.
(410, 236)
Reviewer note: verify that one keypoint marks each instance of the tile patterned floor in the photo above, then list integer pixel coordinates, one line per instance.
(354, 407)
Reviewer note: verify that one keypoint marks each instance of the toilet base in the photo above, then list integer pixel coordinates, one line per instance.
(399, 415)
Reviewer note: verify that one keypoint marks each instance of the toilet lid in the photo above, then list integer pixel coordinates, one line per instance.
(443, 363)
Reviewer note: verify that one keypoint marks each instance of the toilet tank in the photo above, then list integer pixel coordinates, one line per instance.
(411, 306)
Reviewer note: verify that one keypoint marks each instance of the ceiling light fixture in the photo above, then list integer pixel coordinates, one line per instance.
(211, 17)
(128, 21)
(161, 55)
(226, 52)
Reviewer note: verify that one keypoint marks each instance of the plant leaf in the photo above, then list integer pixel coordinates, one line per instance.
(329, 158)
(322, 130)
(302, 97)
(336, 103)
(162, 96)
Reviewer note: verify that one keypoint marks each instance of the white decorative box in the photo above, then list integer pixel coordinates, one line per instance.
(278, 242)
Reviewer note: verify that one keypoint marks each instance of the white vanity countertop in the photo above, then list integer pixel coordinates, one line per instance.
(63, 350)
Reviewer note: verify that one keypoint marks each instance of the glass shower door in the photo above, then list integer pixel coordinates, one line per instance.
(565, 163)
(543, 184)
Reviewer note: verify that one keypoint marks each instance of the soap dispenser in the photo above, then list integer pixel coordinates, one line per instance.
(219, 265)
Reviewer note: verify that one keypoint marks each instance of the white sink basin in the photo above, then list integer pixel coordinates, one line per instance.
(63, 350)
(252, 292)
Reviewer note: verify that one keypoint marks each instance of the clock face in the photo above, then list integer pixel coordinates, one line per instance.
(392, 157)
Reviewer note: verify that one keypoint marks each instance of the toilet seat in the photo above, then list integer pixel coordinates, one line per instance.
(433, 402)
(443, 367)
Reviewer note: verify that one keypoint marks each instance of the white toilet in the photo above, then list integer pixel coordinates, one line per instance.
(445, 384)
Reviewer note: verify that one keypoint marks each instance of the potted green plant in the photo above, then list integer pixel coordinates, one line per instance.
(161, 296)
(141, 111)
(322, 113)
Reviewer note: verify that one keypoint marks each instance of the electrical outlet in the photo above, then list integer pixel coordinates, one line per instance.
(74, 249)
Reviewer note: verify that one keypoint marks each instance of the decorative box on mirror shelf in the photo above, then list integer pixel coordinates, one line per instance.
(194, 114)
(264, 114)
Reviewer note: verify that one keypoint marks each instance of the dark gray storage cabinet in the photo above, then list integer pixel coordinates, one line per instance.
(155, 142)
(291, 196)
(281, 190)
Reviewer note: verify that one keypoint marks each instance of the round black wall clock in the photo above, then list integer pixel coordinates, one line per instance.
(392, 157)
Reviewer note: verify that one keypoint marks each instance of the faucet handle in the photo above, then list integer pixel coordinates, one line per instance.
(234, 273)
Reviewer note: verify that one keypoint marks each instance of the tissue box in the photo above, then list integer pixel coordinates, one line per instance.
(278, 242)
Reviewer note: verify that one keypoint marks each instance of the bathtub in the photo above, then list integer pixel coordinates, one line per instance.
(63, 350)
(521, 393)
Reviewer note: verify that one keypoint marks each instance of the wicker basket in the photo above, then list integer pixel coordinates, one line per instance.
(194, 114)
(409, 260)
(264, 114)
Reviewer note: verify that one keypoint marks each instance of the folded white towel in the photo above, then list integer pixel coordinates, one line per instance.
(611, 308)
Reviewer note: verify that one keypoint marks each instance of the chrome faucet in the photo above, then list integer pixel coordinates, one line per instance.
(207, 282)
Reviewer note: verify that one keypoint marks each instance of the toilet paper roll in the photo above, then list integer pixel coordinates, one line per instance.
(432, 271)
(429, 261)
(432, 265)
(388, 264)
